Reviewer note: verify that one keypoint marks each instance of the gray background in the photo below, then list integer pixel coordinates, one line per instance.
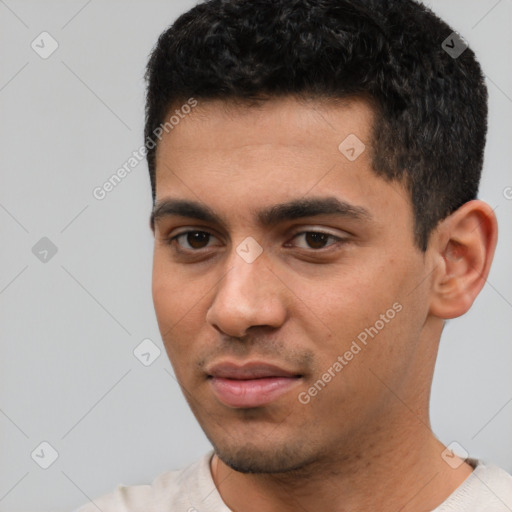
(69, 325)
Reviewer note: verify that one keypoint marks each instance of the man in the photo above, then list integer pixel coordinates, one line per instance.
(315, 167)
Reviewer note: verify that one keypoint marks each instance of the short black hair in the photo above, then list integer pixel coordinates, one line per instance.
(431, 106)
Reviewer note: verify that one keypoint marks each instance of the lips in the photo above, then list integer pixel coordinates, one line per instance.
(253, 384)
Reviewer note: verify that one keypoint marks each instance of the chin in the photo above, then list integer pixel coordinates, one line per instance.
(251, 458)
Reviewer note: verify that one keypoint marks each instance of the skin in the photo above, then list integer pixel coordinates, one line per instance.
(365, 439)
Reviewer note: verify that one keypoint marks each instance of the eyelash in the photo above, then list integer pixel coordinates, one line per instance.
(170, 241)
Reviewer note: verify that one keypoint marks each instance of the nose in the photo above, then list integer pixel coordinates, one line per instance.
(248, 295)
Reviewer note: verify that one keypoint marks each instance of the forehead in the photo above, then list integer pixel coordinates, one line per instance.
(232, 156)
(287, 121)
(274, 141)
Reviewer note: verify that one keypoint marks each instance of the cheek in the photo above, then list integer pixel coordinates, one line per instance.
(369, 307)
(170, 299)
(164, 294)
(171, 290)
(179, 308)
(346, 302)
(170, 310)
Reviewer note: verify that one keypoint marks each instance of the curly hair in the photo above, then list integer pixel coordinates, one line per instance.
(431, 108)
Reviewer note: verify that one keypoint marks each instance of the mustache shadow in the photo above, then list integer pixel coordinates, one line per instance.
(257, 348)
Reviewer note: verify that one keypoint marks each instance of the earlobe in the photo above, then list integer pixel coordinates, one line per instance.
(464, 244)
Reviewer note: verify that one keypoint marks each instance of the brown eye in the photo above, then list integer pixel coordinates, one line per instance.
(316, 239)
(195, 240)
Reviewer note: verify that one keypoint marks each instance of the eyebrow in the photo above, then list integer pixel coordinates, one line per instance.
(268, 216)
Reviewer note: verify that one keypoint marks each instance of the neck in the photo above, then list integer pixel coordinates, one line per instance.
(400, 469)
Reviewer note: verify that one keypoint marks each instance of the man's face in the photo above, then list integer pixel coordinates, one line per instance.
(255, 315)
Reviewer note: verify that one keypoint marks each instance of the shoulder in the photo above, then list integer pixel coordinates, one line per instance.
(487, 489)
(170, 490)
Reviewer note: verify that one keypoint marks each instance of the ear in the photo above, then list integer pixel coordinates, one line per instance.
(463, 247)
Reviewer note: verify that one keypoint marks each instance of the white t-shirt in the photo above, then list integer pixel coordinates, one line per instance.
(487, 489)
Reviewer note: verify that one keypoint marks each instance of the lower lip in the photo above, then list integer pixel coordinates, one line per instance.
(253, 392)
